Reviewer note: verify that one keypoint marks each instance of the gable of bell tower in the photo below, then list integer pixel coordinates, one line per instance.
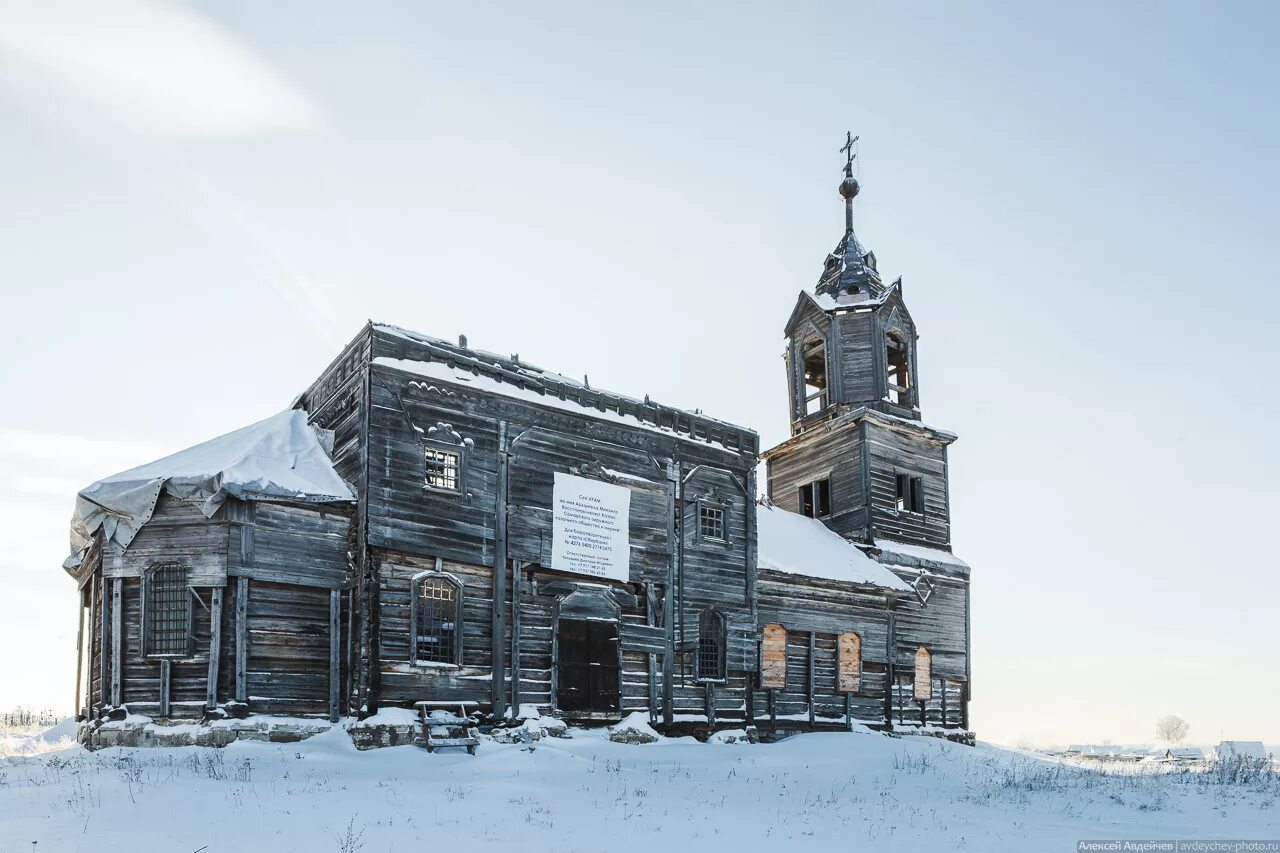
(851, 342)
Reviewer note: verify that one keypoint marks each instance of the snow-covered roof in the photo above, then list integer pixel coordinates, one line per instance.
(514, 377)
(905, 553)
(281, 457)
(1241, 748)
(799, 545)
(1185, 752)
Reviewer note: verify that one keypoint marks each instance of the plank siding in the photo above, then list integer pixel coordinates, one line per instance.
(825, 608)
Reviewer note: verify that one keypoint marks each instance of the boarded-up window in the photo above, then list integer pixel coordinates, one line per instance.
(924, 675)
(849, 659)
(773, 657)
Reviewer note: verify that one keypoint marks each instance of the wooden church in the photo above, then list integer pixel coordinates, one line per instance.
(433, 524)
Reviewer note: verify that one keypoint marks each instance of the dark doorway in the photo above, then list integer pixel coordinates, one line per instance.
(588, 671)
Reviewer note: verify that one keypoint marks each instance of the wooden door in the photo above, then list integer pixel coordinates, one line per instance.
(588, 673)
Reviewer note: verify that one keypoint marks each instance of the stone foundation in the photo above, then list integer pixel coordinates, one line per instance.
(140, 731)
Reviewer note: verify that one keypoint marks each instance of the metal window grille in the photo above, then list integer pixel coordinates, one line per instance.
(711, 522)
(437, 629)
(443, 469)
(168, 611)
(710, 645)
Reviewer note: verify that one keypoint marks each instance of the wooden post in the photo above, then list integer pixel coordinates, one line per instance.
(497, 694)
(773, 712)
(80, 654)
(517, 577)
(335, 647)
(104, 647)
(943, 683)
(891, 676)
(215, 649)
(848, 711)
(117, 643)
(367, 675)
(709, 701)
(668, 600)
(166, 674)
(751, 705)
(242, 637)
(811, 674)
(348, 684)
(94, 613)
(650, 619)
(751, 512)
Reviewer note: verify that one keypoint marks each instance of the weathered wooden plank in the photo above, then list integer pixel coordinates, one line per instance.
(79, 700)
(215, 648)
(117, 641)
(500, 559)
(166, 672)
(335, 646)
(242, 638)
(517, 588)
(809, 679)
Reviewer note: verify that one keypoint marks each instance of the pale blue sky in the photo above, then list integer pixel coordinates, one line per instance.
(203, 202)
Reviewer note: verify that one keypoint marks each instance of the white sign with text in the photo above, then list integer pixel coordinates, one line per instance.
(590, 527)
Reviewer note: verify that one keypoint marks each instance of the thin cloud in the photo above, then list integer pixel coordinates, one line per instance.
(156, 64)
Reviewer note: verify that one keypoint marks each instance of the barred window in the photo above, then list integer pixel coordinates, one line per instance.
(711, 522)
(436, 617)
(710, 663)
(444, 469)
(167, 602)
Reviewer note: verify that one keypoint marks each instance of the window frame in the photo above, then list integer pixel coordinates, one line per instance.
(925, 695)
(415, 584)
(458, 450)
(147, 639)
(911, 500)
(899, 394)
(724, 508)
(814, 492)
(721, 635)
(820, 398)
(856, 677)
(779, 632)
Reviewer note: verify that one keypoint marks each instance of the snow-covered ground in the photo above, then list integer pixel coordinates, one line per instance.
(815, 791)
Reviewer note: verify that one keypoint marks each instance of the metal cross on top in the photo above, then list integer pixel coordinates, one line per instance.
(849, 141)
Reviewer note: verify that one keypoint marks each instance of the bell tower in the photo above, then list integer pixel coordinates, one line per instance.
(861, 460)
(859, 456)
(851, 342)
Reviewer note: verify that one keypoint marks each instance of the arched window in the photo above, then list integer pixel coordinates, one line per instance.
(436, 619)
(710, 663)
(773, 657)
(924, 675)
(166, 616)
(898, 359)
(849, 653)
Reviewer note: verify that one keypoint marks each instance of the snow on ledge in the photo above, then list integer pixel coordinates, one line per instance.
(799, 545)
(919, 553)
(444, 373)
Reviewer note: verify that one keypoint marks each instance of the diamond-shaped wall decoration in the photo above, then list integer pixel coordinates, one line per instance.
(924, 588)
